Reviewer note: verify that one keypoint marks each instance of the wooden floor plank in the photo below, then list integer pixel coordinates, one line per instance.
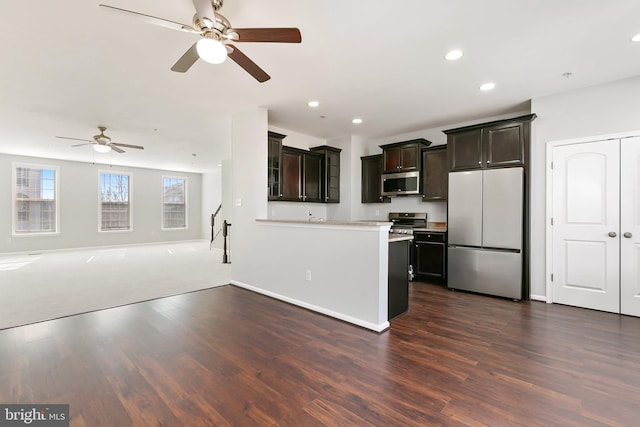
(230, 357)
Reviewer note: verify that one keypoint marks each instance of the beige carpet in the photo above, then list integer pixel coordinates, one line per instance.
(49, 285)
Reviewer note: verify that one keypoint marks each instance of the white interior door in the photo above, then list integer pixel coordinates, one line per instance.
(585, 240)
(630, 226)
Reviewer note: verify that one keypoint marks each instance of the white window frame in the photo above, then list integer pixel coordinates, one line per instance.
(186, 203)
(130, 204)
(56, 191)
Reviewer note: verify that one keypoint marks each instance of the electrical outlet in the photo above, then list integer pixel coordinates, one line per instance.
(308, 275)
(377, 212)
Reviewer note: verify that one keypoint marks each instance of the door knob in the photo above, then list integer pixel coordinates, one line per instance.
(612, 234)
(627, 235)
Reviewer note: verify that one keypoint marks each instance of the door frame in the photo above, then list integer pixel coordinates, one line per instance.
(549, 196)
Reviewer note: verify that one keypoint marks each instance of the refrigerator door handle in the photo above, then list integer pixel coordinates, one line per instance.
(485, 248)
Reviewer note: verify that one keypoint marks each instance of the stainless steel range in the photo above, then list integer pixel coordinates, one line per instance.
(405, 222)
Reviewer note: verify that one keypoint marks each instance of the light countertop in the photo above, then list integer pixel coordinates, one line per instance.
(332, 223)
(434, 227)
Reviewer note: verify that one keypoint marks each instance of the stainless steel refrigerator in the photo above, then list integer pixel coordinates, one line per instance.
(485, 230)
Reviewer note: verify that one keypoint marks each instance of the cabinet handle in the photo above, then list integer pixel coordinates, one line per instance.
(627, 235)
(612, 234)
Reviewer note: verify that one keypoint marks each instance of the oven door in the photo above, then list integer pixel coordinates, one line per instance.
(401, 184)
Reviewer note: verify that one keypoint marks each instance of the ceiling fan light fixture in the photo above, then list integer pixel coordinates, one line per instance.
(211, 51)
(101, 148)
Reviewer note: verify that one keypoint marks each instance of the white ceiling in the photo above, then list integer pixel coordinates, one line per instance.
(68, 66)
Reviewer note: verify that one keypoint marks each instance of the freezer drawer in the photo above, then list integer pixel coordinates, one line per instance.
(484, 271)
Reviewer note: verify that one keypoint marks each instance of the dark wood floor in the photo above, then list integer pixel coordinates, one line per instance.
(227, 356)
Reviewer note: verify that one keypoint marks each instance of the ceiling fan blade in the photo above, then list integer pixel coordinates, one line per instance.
(80, 145)
(205, 12)
(271, 35)
(116, 149)
(249, 66)
(151, 19)
(187, 60)
(74, 139)
(138, 147)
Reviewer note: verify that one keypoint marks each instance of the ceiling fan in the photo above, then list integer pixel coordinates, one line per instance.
(102, 143)
(216, 32)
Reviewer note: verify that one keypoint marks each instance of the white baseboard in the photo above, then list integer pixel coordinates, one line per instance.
(349, 319)
(538, 298)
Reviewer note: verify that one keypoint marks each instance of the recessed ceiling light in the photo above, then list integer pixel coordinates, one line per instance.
(453, 55)
(356, 121)
(487, 86)
(313, 104)
(636, 38)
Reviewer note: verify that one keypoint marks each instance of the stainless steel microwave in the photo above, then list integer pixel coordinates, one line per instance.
(401, 183)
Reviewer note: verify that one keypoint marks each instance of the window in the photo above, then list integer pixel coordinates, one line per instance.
(115, 209)
(174, 202)
(35, 199)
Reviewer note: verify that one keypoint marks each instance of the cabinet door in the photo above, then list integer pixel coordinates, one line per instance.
(410, 155)
(291, 175)
(274, 162)
(434, 174)
(430, 259)
(332, 172)
(371, 182)
(465, 150)
(503, 146)
(392, 159)
(312, 176)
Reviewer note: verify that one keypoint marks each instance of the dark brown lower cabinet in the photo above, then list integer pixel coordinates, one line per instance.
(398, 294)
(430, 254)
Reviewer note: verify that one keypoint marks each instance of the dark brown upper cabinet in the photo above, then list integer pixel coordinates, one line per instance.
(330, 174)
(371, 182)
(498, 144)
(403, 156)
(301, 175)
(435, 173)
(297, 175)
(274, 165)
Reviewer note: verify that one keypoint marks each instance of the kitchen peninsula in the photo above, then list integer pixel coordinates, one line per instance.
(338, 268)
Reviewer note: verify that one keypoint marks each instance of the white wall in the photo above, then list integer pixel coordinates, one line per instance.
(599, 110)
(273, 259)
(248, 193)
(79, 203)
